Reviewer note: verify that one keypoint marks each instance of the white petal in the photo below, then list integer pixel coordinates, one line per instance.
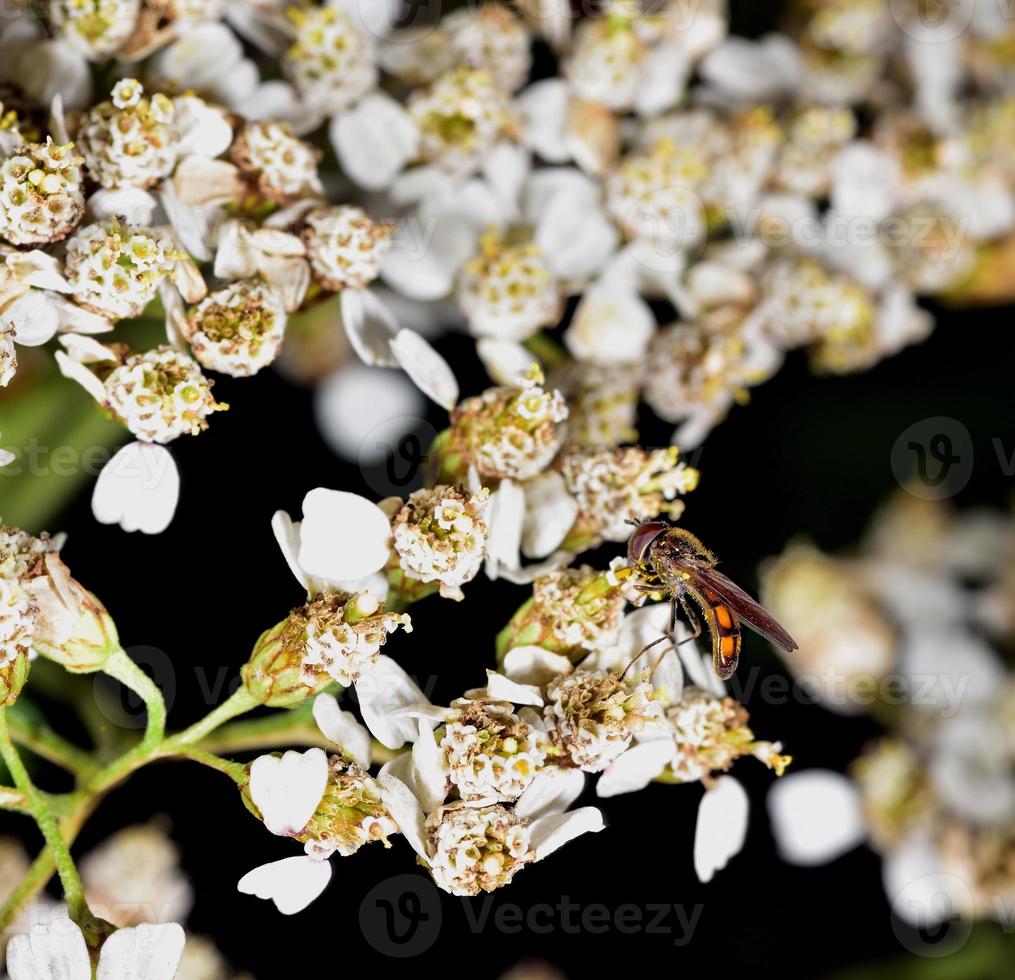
(134, 205)
(815, 816)
(39, 269)
(203, 129)
(47, 69)
(76, 371)
(343, 535)
(427, 369)
(55, 951)
(506, 361)
(570, 225)
(370, 326)
(384, 693)
(342, 728)
(426, 253)
(549, 833)
(429, 770)
(612, 325)
(287, 534)
(403, 807)
(635, 768)
(6, 457)
(506, 169)
(138, 489)
(364, 412)
(754, 71)
(663, 79)
(921, 892)
(375, 18)
(292, 883)
(505, 515)
(551, 791)
(721, 827)
(668, 675)
(144, 952)
(543, 106)
(550, 511)
(35, 318)
(287, 790)
(534, 665)
(501, 688)
(374, 141)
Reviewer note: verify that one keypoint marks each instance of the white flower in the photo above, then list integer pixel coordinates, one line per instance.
(507, 246)
(479, 846)
(363, 413)
(115, 269)
(237, 329)
(328, 804)
(57, 952)
(815, 816)
(440, 536)
(40, 193)
(342, 539)
(137, 489)
(135, 876)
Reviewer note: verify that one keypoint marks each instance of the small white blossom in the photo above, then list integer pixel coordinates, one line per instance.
(40, 193)
(345, 246)
(115, 270)
(237, 329)
(440, 536)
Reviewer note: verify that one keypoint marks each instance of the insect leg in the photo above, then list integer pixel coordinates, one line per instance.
(692, 618)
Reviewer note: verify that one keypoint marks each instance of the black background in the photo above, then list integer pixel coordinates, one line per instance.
(807, 457)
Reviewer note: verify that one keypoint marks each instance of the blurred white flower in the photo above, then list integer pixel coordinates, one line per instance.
(57, 951)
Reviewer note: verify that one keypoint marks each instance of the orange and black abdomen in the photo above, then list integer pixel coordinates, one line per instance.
(725, 627)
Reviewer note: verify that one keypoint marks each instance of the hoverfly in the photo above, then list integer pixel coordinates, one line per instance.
(675, 563)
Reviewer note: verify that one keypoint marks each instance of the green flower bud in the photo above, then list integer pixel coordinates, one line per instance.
(275, 675)
(71, 626)
(13, 675)
(350, 814)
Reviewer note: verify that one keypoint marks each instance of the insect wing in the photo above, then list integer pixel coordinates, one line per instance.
(708, 580)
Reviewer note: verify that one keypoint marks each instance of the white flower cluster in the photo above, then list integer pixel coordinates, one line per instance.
(899, 631)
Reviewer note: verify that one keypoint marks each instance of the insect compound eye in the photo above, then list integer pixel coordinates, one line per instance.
(642, 537)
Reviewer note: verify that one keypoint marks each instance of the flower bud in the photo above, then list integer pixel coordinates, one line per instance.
(335, 636)
(13, 674)
(71, 626)
(275, 674)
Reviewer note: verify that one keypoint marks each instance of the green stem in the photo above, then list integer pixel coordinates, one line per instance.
(48, 745)
(284, 728)
(73, 892)
(128, 673)
(236, 771)
(12, 799)
(240, 702)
